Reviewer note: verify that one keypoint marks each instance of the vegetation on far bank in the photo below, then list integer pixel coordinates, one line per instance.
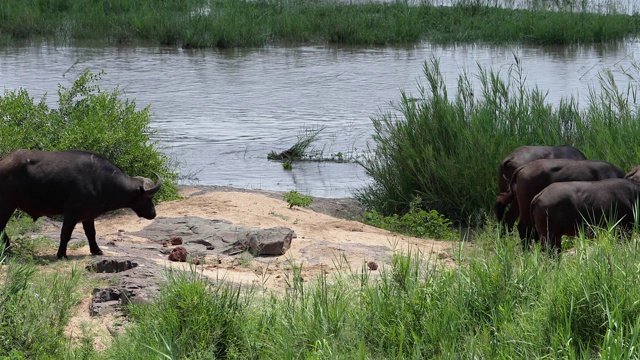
(445, 148)
(233, 23)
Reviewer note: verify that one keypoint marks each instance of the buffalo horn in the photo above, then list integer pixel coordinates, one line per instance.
(155, 188)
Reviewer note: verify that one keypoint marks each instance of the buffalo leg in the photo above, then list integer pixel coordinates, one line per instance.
(511, 216)
(552, 244)
(527, 234)
(523, 232)
(90, 232)
(65, 235)
(5, 215)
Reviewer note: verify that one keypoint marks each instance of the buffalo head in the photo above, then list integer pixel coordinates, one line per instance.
(143, 202)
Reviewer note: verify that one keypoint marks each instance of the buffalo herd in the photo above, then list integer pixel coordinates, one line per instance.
(551, 191)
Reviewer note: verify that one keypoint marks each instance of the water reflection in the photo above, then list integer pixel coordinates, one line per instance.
(220, 112)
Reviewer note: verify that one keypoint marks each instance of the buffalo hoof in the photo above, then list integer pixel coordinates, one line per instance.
(99, 252)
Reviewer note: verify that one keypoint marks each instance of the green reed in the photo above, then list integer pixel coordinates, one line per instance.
(232, 23)
(446, 148)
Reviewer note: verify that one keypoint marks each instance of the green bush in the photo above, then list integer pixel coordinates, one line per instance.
(447, 149)
(294, 198)
(416, 222)
(87, 118)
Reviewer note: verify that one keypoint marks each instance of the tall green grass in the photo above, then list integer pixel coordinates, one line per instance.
(34, 311)
(445, 148)
(232, 23)
(497, 303)
(190, 320)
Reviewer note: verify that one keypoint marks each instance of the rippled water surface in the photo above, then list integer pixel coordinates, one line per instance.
(220, 112)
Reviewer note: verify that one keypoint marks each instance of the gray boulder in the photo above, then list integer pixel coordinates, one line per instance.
(274, 241)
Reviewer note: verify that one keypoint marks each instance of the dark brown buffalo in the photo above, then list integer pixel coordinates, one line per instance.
(530, 179)
(519, 157)
(79, 185)
(565, 208)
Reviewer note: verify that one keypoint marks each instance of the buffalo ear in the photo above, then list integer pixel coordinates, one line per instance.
(503, 198)
(632, 175)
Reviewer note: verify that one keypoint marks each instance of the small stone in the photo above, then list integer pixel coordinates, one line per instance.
(176, 240)
(372, 265)
(178, 254)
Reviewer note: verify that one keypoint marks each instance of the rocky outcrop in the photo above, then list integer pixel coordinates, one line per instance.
(138, 282)
(200, 237)
(111, 265)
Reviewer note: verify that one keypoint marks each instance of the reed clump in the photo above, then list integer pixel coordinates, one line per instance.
(232, 23)
(445, 148)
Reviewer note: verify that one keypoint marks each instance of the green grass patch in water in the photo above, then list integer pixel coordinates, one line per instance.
(232, 23)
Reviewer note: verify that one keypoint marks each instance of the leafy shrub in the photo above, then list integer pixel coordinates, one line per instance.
(417, 222)
(294, 198)
(87, 118)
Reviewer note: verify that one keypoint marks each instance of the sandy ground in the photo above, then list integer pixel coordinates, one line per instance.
(325, 242)
(322, 240)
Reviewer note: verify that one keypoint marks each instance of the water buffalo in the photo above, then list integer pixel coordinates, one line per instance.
(519, 157)
(79, 185)
(528, 180)
(564, 208)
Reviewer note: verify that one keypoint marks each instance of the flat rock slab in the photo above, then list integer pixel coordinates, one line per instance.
(138, 281)
(202, 237)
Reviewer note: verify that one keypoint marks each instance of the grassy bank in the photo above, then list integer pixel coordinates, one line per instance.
(445, 148)
(499, 303)
(232, 23)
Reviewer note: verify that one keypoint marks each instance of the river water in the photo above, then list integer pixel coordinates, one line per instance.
(219, 113)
